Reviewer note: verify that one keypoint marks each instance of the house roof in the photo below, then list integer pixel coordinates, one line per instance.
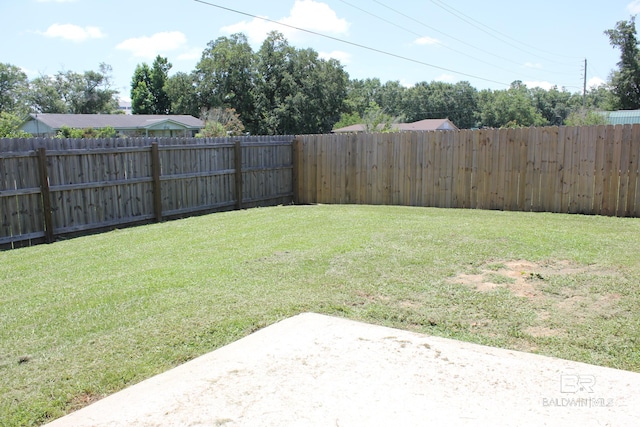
(117, 121)
(623, 117)
(422, 125)
(428, 124)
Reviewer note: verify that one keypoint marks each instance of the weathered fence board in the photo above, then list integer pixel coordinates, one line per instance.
(56, 187)
(589, 170)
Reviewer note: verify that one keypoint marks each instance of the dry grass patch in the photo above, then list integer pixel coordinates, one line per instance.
(547, 287)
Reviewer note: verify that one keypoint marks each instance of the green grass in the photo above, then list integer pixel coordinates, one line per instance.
(83, 318)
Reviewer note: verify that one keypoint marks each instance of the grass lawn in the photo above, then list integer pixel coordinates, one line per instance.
(83, 318)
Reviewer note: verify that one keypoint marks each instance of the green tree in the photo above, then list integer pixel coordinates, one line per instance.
(440, 100)
(318, 94)
(508, 108)
(141, 96)
(182, 94)
(74, 93)
(625, 81)
(14, 89)
(274, 82)
(554, 105)
(296, 91)
(390, 96)
(360, 94)
(68, 132)
(10, 126)
(377, 120)
(417, 103)
(46, 96)
(221, 122)
(148, 88)
(225, 78)
(599, 98)
(348, 119)
(586, 117)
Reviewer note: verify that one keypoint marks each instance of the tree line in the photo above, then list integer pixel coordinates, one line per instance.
(280, 89)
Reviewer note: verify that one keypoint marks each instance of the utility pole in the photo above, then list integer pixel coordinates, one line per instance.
(584, 85)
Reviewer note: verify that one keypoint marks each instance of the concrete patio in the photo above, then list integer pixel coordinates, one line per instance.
(315, 370)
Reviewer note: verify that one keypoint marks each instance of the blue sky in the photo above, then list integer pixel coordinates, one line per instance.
(489, 43)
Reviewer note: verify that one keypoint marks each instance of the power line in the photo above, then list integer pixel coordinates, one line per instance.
(441, 44)
(455, 38)
(466, 18)
(445, 34)
(361, 46)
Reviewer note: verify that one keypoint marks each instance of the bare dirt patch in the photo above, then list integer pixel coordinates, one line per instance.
(82, 400)
(542, 331)
(530, 280)
(514, 275)
(525, 278)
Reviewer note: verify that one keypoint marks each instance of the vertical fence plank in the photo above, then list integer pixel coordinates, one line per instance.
(295, 171)
(238, 173)
(564, 150)
(633, 201)
(46, 195)
(458, 169)
(157, 190)
(483, 182)
(574, 182)
(611, 169)
(447, 139)
(600, 167)
(623, 171)
(468, 168)
(509, 184)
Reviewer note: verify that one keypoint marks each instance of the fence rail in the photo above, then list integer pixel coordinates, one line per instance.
(51, 188)
(589, 170)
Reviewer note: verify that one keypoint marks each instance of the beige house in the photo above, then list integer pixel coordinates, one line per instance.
(422, 125)
(143, 125)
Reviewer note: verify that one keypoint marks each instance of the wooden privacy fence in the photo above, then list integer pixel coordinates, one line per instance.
(52, 187)
(589, 170)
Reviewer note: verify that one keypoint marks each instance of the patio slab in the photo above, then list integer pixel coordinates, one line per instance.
(316, 370)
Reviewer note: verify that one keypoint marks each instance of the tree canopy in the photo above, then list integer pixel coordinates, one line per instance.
(14, 89)
(281, 89)
(625, 81)
(74, 93)
(148, 88)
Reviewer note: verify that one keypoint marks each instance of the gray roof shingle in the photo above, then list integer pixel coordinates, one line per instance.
(422, 125)
(117, 121)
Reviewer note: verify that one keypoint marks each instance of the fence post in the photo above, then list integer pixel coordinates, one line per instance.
(238, 167)
(295, 151)
(46, 195)
(155, 170)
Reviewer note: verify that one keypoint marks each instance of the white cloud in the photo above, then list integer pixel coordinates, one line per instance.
(595, 82)
(343, 57)
(426, 41)
(150, 47)
(445, 78)
(536, 66)
(634, 7)
(256, 30)
(542, 85)
(73, 32)
(305, 14)
(191, 54)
